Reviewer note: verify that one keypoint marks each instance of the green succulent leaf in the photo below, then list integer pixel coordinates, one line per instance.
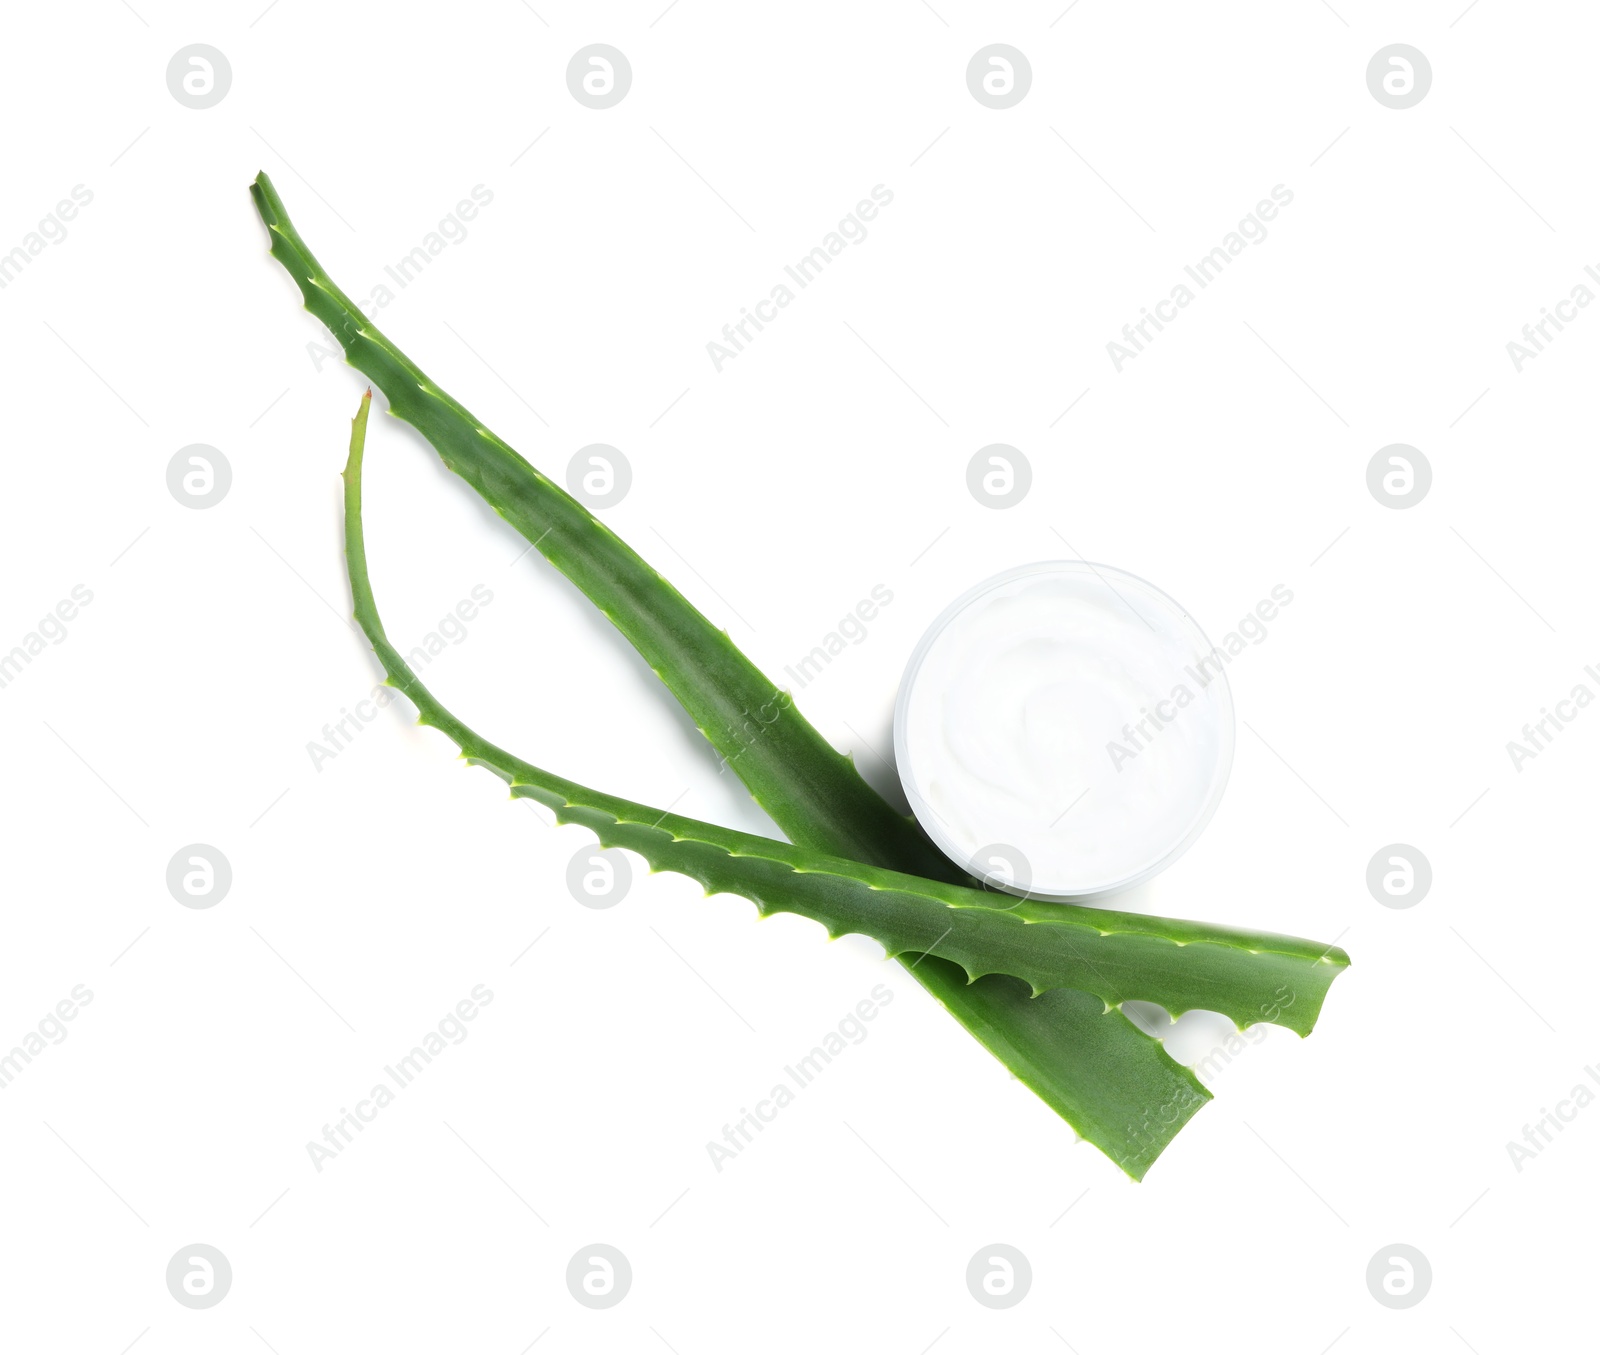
(1110, 1081)
(1118, 957)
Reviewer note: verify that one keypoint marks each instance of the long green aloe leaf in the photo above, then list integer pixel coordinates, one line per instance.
(1113, 1084)
(1118, 957)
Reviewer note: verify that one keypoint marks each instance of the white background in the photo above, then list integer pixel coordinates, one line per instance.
(372, 894)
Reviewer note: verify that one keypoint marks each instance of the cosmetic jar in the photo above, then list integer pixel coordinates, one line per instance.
(1064, 730)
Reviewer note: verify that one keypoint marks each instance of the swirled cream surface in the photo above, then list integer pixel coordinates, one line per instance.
(1064, 729)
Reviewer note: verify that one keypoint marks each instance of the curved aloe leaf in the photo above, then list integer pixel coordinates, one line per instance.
(1116, 956)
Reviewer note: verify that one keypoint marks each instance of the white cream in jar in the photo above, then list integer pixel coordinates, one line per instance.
(1063, 730)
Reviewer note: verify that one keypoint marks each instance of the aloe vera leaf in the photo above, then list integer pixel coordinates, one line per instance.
(809, 790)
(1116, 956)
